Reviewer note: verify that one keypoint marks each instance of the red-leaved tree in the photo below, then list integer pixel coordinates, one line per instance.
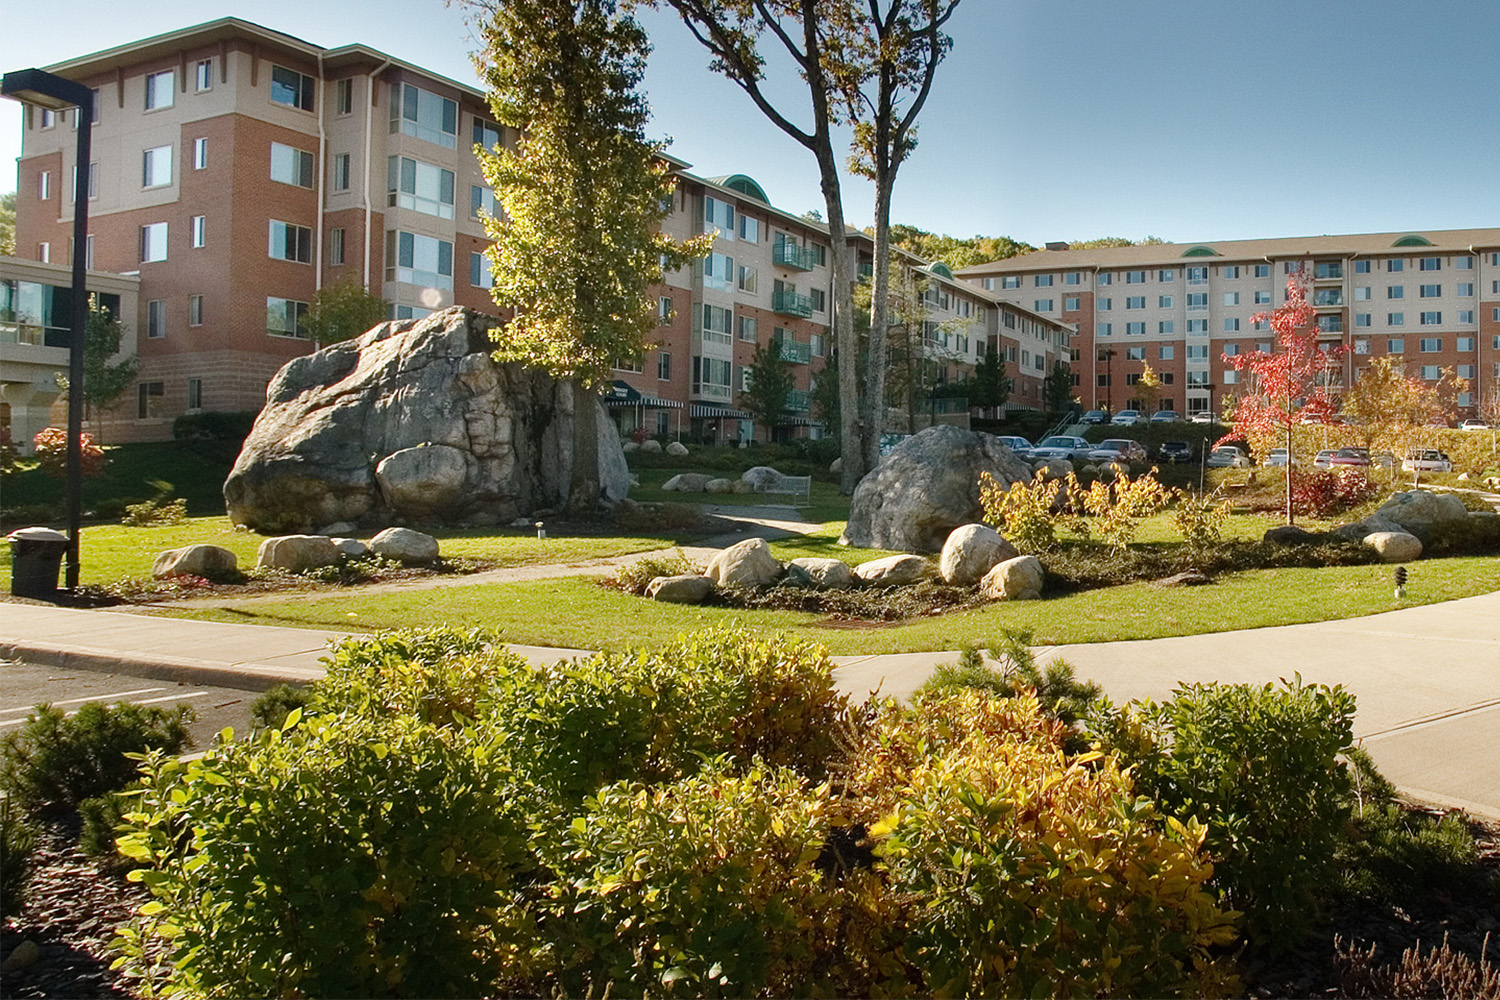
(1288, 385)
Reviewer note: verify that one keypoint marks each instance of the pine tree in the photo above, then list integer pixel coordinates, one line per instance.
(771, 385)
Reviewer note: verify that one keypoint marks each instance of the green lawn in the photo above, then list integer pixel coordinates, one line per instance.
(578, 612)
(826, 504)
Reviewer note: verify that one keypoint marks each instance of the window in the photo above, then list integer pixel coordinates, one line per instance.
(285, 318)
(1395, 319)
(1328, 269)
(1262, 270)
(1466, 371)
(1135, 329)
(1396, 292)
(1105, 329)
(1430, 291)
(748, 278)
(747, 329)
(749, 229)
(156, 319)
(1042, 305)
(196, 231)
(1395, 345)
(419, 186)
(1135, 302)
(815, 344)
(1073, 278)
(418, 260)
(49, 118)
(1362, 346)
(1230, 350)
(1167, 274)
(1197, 352)
(200, 153)
(1010, 281)
(195, 393)
(1463, 263)
(1165, 326)
(409, 312)
(290, 242)
(1070, 303)
(203, 75)
(718, 272)
(291, 166)
(149, 396)
(1361, 267)
(480, 275)
(343, 96)
(156, 167)
(291, 88)
(1395, 265)
(720, 215)
(486, 134)
(1463, 345)
(1231, 298)
(1197, 275)
(1135, 277)
(424, 115)
(1165, 352)
(1105, 304)
(1231, 377)
(1432, 372)
(664, 366)
(1262, 298)
(664, 310)
(1197, 301)
(819, 300)
(717, 323)
(1361, 319)
(93, 181)
(481, 202)
(195, 310)
(1105, 279)
(159, 90)
(1197, 378)
(153, 242)
(1164, 301)
(44, 185)
(1231, 326)
(1465, 289)
(1431, 264)
(1291, 267)
(1466, 316)
(1431, 345)
(1043, 281)
(1361, 294)
(341, 171)
(1431, 319)
(336, 246)
(1229, 271)
(1135, 354)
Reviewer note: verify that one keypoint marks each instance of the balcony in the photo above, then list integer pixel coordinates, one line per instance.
(792, 304)
(798, 401)
(1326, 297)
(798, 258)
(1330, 271)
(795, 353)
(708, 391)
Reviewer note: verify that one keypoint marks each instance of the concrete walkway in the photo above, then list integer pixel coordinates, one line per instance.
(1427, 679)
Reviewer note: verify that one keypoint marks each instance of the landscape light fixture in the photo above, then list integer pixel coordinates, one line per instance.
(53, 93)
(1400, 582)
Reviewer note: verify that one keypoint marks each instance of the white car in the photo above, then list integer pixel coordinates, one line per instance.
(1064, 446)
(1279, 458)
(1473, 425)
(1017, 444)
(1126, 418)
(1426, 460)
(1227, 456)
(1202, 417)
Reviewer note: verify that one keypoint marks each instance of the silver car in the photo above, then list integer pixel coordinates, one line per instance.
(1064, 446)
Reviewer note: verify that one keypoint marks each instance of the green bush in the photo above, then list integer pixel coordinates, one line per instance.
(271, 707)
(102, 818)
(1260, 768)
(337, 857)
(17, 846)
(56, 760)
(214, 425)
(158, 511)
(634, 578)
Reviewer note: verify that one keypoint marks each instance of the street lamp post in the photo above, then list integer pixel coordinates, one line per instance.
(46, 90)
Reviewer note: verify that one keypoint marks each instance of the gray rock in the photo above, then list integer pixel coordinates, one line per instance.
(763, 477)
(336, 529)
(351, 548)
(1292, 534)
(719, 486)
(687, 482)
(522, 522)
(629, 446)
(819, 574)
(651, 446)
(836, 466)
(24, 954)
(893, 571)
(680, 589)
(1056, 468)
(740, 486)
(412, 420)
(1187, 578)
(677, 448)
(1395, 546)
(970, 552)
(1418, 511)
(1018, 579)
(927, 486)
(297, 553)
(194, 560)
(405, 545)
(745, 564)
(1358, 531)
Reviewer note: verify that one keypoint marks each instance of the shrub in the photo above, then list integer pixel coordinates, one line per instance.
(1024, 513)
(158, 511)
(1201, 519)
(335, 857)
(635, 577)
(102, 818)
(17, 846)
(52, 453)
(1325, 492)
(214, 425)
(56, 761)
(659, 517)
(1118, 506)
(1439, 972)
(272, 706)
(1259, 766)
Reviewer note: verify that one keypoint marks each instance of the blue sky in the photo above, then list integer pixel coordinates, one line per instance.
(1051, 119)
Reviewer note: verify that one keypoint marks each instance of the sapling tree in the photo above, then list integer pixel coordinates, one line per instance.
(770, 387)
(342, 311)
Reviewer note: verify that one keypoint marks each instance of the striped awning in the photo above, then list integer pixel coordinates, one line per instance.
(646, 401)
(718, 412)
(801, 422)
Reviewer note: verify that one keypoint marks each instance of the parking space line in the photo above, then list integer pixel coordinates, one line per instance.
(95, 697)
(172, 697)
(143, 701)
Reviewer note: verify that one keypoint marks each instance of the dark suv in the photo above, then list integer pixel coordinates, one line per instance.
(1175, 452)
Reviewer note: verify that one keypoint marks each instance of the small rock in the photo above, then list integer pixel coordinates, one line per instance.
(1018, 579)
(837, 465)
(522, 522)
(970, 552)
(1395, 546)
(337, 528)
(677, 448)
(745, 564)
(819, 574)
(893, 571)
(297, 553)
(650, 446)
(687, 482)
(24, 954)
(1055, 469)
(1358, 531)
(630, 446)
(763, 477)
(1291, 534)
(719, 486)
(740, 486)
(405, 545)
(194, 560)
(1189, 578)
(352, 548)
(680, 589)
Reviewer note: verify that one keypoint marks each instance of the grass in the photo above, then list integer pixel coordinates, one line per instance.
(826, 504)
(195, 469)
(577, 612)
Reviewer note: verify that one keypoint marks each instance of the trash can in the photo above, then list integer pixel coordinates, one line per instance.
(36, 555)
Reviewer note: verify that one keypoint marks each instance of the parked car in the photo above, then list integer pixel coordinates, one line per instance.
(1324, 459)
(1202, 417)
(1358, 458)
(1093, 417)
(1280, 458)
(1165, 417)
(1064, 446)
(1017, 444)
(1228, 456)
(1126, 418)
(1175, 452)
(1426, 460)
(1473, 424)
(1118, 450)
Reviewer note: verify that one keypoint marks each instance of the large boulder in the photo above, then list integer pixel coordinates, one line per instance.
(1395, 546)
(1418, 512)
(745, 564)
(972, 551)
(762, 478)
(927, 486)
(819, 574)
(677, 449)
(405, 545)
(1291, 534)
(1358, 531)
(680, 589)
(194, 560)
(687, 482)
(297, 553)
(893, 571)
(1018, 579)
(413, 422)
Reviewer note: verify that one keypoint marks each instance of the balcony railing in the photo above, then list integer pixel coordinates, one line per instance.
(947, 404)
(797, 354)
(798, 401)
(36, 336)
(792, 304)
(787, 254)
(1328, 297)
(706, 390)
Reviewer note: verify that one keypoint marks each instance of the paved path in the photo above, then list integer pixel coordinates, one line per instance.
(1427, 678)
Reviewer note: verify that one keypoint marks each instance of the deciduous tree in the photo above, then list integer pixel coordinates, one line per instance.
(342, 311)
(103, 383)
(1148, 388)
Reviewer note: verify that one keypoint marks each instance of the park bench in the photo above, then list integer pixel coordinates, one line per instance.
(799, 488)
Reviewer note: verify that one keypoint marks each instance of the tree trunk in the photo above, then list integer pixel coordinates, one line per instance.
(852, 430)
(878, 348)
(583, 489)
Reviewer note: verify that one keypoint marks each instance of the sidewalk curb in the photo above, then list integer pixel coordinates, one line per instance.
(159, 666)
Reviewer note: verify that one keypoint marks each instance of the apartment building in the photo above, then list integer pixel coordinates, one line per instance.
(237, 170)
(1431, 297)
